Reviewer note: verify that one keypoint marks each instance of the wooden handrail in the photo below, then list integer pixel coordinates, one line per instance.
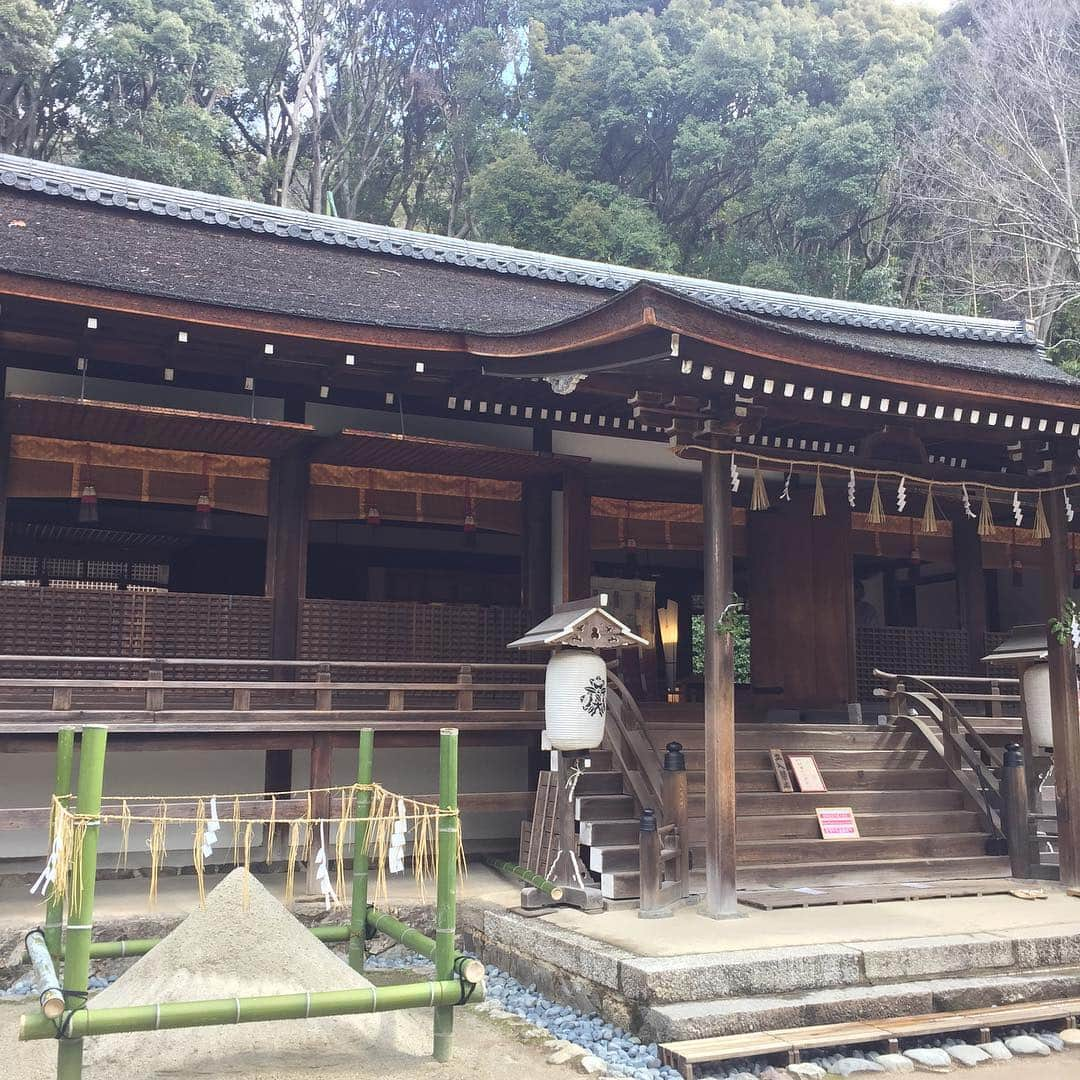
(631, 746)
(953, 749)
(202, 661)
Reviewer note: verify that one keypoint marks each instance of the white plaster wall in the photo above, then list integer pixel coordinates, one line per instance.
(26, 781)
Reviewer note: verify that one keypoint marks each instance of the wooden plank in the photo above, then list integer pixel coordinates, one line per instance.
(1057, 585)
(779, 899)
(720, 899)
(779, 766)
(541, 852)
(723, 1048)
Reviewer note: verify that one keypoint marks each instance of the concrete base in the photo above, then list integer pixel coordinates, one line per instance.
(733, 990)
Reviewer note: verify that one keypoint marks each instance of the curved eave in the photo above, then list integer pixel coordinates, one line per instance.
(642, 308)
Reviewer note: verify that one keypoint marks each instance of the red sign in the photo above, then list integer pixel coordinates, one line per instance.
(837, 823)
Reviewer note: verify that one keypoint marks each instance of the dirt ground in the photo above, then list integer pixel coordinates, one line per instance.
(483, 1050)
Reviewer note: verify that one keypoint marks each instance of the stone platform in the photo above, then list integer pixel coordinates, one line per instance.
(692, 977)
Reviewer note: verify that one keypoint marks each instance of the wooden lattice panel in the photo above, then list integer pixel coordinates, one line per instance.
(544, 825)
(907, 650)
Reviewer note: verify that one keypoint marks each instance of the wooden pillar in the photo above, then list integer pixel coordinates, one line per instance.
(1057, 582)
(577, 538)
(536, 546)
(5, 458)
(286, 581)
(719, 693)
(971, 590)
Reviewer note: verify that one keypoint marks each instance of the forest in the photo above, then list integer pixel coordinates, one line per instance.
(862, 149)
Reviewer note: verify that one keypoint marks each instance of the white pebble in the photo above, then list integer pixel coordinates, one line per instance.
(968, 1056)
(930, 1059)
(1026, 1045)
(997, 1050)
(895, 1063)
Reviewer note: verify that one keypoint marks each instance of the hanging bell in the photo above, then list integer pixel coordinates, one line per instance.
(373, 517)
(1076, 575)
(88, 507)
(1017, 572)
(203, 511)
(470, 522)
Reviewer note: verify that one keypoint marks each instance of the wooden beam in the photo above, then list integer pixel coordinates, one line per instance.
(536, 546)
(1057, 585)
(286, 550)
(577, 540)
(971, 589)
(719, 693)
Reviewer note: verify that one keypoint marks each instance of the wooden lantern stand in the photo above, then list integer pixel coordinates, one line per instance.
(582, 624)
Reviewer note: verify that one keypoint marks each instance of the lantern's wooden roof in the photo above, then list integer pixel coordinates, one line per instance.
(146, 425)
(1023, 643)
(413, 453)
(584, 624)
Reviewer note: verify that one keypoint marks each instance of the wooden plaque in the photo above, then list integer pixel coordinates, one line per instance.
(779, 764)
(837, 823)
(805, 771)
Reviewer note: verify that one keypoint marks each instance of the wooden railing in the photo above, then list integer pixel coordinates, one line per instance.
(174, 694)
(963, 750)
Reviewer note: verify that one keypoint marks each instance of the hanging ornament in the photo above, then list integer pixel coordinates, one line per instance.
(986, 518)
(785, 495)
(929, 518)
(1015, 564)
(851, 488)
(876, 515)
(1041, 529)
(203, 506)
(371, 511)
(819, 495)
(322, 871)
(734, 475)
(210, 833)
(966, 499)
(1068, 506)
(901, 495)
(48, 875)
(88, 505)
(914, 555)
(1017, 509)
(469, 524)
(395, 852)
(759, 497)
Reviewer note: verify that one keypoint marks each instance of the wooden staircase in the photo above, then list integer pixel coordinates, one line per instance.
(916, 823)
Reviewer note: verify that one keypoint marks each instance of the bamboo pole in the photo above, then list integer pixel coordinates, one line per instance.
(445, 912)
(46, 982)
(526, 875)
(471, 969)
(221, 1011)
(69, 1052)
(54, 905)
(358, 920)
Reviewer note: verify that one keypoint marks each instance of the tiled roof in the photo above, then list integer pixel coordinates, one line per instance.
(222, 213)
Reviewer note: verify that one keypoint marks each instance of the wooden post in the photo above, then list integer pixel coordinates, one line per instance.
(1057, 582)
(286, 576)
(677, 812)
(719, 693)
(54, 906)
(971, 590)
(1017, 819)
(5, 457)
(465, 694)
(446, 887)
(649, 865)
(361, 809)
(577, 540)
(155, 699)
(536, 546)
(80, 924)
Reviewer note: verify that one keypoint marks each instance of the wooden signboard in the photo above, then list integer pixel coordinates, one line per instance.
(805, 771)
(779, 764)
(837, 823)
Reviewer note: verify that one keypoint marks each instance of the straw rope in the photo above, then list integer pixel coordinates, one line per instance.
(68, 830)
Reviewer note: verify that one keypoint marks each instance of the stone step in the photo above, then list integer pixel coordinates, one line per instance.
(625, 885)
(595, 782)
(863, 801)
(604, 807)
(846, 779)
(615, 857)
(734, 1016)
(787, 737)
(805, 826)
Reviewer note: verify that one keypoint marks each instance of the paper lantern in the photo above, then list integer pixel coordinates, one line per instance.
(575, 699)
(1037, 704)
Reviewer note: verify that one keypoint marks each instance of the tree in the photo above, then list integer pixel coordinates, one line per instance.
(996, 181)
